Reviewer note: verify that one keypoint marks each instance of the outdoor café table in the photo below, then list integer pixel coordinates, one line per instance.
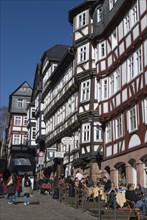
(120, 199)
(97, 190)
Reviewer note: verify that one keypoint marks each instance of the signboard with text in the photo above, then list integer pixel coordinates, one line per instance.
(67, 140)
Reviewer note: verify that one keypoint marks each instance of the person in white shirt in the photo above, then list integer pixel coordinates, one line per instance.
(79, 175)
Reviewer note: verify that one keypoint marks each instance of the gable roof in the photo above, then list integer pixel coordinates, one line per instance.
(18, 92)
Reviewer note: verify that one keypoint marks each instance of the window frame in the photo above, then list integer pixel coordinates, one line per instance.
(17, 120)
(20, 103)
(85, 91)
(119, 127)
(81, 19)
(16, 139)
(132, 119)
(99, 14)
(82, 54)
(86, 132)
(102, 50)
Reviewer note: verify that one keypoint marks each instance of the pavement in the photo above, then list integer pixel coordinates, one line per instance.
(42, 207)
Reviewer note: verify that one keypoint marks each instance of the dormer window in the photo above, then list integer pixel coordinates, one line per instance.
(81, 20)
(110, 5)
(20, 103)
(99, 14)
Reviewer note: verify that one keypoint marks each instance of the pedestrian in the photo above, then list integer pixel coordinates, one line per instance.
(107, 186)
(18, 186)
(11, 185)
(79, 175)
(26, 188)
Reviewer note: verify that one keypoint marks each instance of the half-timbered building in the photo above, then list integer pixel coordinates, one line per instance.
(60, 104)
(20, 155)
(119, 38)
(85, 73)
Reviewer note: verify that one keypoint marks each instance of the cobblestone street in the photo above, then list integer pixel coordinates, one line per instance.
(42, 207)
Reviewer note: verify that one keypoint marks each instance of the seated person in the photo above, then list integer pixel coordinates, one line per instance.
(112, 193)
(122, 188)
(138, 191)
(132, 196)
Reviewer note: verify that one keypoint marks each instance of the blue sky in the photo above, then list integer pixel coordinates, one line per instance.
(28, 28)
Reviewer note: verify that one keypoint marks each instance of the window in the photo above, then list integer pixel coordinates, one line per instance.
(81, 54)
(85, 90)
(27, 103)
(81, 21)
(112, 84)
(33, 133)
(134, 64)
(86, 132)
(118, 82)
(16, 139)
(25, 121)
(97, 133)
(33, 113)
(114, 39)
(144, 109)
(20, 103)
(102, 50)
(132, 119)
(131, 68)
(99, 14)
(126, 24)
(105, 89)
(108, 133)
(139, 60)
(119, 127)
(17, 120)
(24, 139)
(134, 15)
(110, 4)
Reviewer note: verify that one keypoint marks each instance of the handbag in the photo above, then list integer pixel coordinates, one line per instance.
(10, 182)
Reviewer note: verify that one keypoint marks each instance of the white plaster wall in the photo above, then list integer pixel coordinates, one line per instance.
(78, 35)
(109, 60)
(124, 95)
(105, 107)
(115, 149)
(128, 40)
(136, 32)
(16, 128)
(118, 100)
(144, 23)
(120, 31)
(108, 48)
(134, 141)
(145, 52)
(124, 75)
(24, 129)
(103, 65)
(108, 151)
(121, 48)
(143, 6)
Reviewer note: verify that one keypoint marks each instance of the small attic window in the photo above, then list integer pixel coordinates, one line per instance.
(99, 14)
